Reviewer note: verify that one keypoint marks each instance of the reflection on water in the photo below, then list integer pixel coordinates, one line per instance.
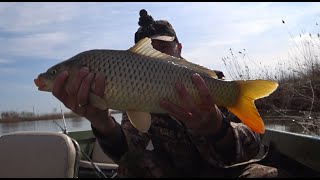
(79, 124)
(284, 126)
(73, 124)
(277, 126)
(295, 125)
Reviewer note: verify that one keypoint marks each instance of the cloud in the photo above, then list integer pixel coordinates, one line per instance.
(60, 30)
(304, 47)
(4, 69)
(41, 31)
(40, 45)
(239, 26)
(30, 16)
(5, 61)
(8, 70)
(312, 39)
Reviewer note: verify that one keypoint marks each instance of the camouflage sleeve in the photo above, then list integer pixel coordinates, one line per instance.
(115, 144)
(135, 139)
(246, 146)
(122, 139)
(247, 142)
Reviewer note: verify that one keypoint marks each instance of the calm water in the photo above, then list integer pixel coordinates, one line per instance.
(75, 124)
(301, 124)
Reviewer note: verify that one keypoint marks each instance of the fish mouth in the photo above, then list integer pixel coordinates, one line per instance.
(41, 86)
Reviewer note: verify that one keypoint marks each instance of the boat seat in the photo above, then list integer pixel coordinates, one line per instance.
(32, 154)
(100, 159)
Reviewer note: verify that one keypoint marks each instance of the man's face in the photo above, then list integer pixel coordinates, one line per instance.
(169, 47)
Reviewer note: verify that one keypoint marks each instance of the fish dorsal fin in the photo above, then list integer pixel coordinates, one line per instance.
(145, 48)
(198, 68)
(140, 120)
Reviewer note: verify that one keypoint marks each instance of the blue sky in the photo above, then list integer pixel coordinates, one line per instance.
(35, 36)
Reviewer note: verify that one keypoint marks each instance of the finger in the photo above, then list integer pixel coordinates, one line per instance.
(176, 111)
(202, 87)
(81, 110)
(58, 86)
(99, 84)
(91, 110)
(71, 102)
(84, 89)
(75, 84)
(99, 87)
(186, 99)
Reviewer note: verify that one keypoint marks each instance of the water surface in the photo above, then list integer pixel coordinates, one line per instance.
(284, 123)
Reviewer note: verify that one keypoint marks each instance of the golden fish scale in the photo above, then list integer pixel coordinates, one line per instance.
(135, 82)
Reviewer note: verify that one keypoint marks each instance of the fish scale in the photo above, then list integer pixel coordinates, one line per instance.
(138, 78)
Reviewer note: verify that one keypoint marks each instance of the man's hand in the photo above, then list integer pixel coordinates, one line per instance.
(205, 118)
(74, 95)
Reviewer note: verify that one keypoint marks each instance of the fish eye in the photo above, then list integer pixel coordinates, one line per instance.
(54, 71)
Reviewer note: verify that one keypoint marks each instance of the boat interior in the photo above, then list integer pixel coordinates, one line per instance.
(78, 155)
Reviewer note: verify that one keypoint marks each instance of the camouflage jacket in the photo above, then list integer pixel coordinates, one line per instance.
(176, 151)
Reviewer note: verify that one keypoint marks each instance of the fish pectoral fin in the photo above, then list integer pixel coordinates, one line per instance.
(97, 101)
(140, 120)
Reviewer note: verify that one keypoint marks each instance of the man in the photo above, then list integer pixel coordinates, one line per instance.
(188, 142)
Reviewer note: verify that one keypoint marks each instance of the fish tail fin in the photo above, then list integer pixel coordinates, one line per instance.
(245, 109)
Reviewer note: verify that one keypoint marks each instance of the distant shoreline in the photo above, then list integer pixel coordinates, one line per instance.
(44, 117)
(39, 117)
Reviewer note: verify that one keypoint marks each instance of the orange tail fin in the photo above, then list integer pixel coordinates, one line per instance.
(245, 109)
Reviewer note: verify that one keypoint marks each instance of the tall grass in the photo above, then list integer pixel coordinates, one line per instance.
(298, 77)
